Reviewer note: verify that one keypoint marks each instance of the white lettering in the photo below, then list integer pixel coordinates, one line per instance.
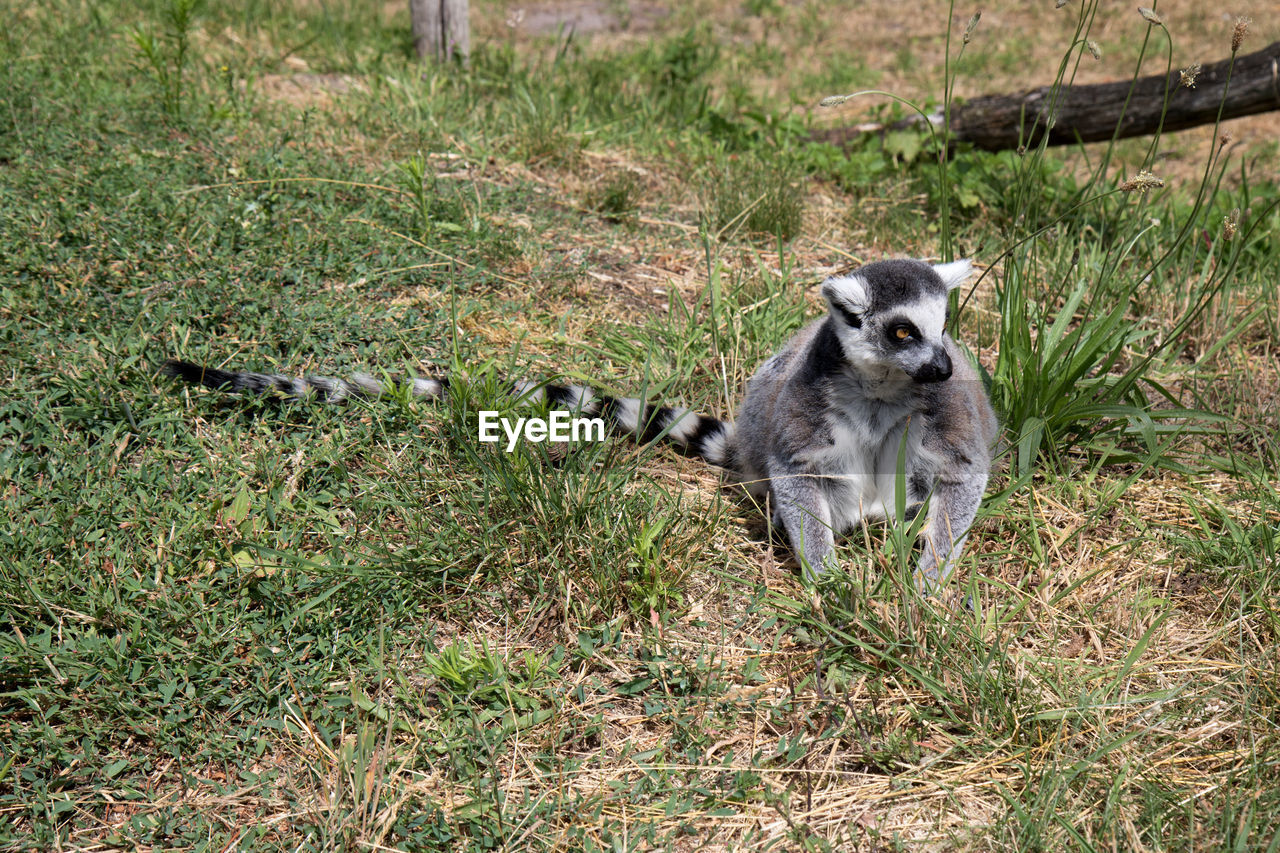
(560, 427)
(489, 426)
(592, 427)
(513, 435)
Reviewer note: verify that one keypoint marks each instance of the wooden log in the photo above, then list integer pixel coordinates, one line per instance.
(441, 29)
(1097, 112)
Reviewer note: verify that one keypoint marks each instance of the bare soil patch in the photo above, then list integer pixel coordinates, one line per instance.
(308, 89)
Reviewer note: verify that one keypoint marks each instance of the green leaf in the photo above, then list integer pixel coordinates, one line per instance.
(904, 144)
(239, 509)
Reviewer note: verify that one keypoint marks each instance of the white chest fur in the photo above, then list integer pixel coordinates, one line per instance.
(867, 459)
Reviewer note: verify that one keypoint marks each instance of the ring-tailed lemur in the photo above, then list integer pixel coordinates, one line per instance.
(826, 421)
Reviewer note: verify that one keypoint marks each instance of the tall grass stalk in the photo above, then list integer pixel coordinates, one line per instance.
(1076, 370)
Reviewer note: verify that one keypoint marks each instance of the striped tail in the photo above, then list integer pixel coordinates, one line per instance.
(332, 390)
(691, 433)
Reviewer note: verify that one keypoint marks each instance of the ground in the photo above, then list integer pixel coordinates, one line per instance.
(247, 624)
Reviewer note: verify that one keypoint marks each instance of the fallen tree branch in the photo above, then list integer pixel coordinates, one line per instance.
(1097, 112)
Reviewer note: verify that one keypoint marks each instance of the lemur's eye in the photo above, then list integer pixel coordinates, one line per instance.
(900, 333)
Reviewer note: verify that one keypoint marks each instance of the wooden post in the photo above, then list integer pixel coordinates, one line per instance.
(441, 29)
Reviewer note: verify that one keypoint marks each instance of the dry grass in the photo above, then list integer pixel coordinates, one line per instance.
(1084, 621)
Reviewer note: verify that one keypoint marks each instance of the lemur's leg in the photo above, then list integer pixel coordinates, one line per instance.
(801, 506)
(952, 508)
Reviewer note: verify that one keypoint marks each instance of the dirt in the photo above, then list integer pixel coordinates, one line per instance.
(305, 89)
(585, 17)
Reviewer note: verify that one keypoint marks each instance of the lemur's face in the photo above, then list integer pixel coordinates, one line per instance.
(891, 318)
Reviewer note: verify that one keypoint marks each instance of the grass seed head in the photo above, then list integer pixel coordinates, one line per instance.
(1143, 182)
(971, 26)
(1230, 224)
(1187, 76)
(1238, 34)
(1149, 15)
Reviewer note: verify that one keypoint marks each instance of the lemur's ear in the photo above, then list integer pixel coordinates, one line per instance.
(954, 274)
(847, 297)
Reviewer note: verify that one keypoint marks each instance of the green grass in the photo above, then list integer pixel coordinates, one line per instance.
(758, 196)
(235, 623)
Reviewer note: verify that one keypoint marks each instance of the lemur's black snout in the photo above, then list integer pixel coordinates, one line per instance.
(936, 369)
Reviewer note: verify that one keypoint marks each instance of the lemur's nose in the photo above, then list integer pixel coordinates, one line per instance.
(937, 369)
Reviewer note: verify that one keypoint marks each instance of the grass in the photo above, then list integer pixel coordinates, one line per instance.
(758, 196)
(245, 624)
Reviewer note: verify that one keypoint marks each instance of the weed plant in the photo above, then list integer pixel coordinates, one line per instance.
(167, 54)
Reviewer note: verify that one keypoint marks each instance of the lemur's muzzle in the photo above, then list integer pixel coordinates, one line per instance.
(936, 369)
